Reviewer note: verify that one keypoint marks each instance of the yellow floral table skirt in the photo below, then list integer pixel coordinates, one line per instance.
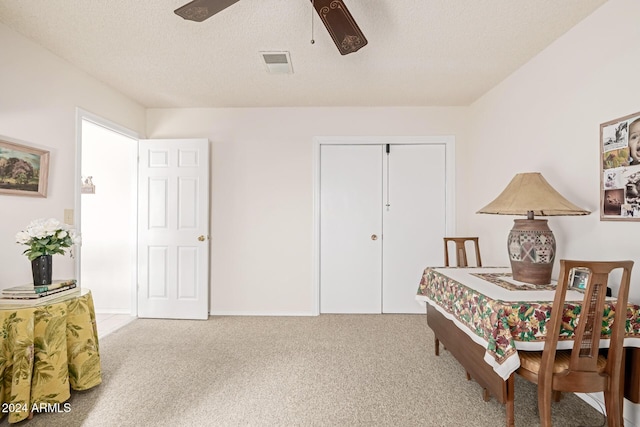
(45, 351)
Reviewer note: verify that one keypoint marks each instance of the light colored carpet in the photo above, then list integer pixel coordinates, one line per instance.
(330, 370)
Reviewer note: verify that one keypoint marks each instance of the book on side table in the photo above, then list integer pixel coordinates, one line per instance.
(36, 295)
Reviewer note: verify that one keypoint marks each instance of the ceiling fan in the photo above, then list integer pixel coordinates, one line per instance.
(334, 15)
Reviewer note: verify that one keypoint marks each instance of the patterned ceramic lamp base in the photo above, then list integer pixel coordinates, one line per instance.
(532, 249)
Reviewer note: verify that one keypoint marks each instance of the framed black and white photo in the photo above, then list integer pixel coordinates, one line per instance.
(578, 278)
(620, 169)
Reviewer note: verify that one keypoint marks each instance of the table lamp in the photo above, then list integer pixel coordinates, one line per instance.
(531, 245)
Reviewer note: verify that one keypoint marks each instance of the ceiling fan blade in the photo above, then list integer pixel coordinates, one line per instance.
(199, 10)
(341, 26)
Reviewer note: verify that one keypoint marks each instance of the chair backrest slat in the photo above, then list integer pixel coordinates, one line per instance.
(461, 251)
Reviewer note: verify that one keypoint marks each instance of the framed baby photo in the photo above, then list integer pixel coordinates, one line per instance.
(578, 278)
(23, 170)
(620, 169)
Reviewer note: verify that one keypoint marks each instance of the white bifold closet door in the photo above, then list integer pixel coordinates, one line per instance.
(382, 220)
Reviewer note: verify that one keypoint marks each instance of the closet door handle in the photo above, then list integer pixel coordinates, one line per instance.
(374, 237)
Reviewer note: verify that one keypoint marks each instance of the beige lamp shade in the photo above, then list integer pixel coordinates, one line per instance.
(531, 192)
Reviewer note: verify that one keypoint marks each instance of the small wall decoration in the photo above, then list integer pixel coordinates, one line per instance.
(24, 170)
(88, 187)
(620, 169)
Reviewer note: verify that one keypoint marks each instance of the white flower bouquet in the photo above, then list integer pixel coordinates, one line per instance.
(47, 237)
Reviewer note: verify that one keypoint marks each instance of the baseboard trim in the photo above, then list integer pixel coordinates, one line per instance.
(112, 311)
(259, 313)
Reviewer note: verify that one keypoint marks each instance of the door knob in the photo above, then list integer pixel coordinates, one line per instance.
(374, 237)
(202, 238)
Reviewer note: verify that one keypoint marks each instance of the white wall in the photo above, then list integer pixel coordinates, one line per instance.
(262, 191)
(39, 96)
(546, 117)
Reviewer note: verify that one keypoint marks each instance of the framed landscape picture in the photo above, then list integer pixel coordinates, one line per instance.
(23, 170)
(620, 169)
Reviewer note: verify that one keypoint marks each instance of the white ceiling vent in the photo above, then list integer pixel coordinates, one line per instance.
(277, 62)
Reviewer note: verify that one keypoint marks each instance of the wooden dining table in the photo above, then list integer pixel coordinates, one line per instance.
(484, 318)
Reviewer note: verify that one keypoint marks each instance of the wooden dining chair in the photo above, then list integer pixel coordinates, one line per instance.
(584, 368)
(461, 251)
(461, 261)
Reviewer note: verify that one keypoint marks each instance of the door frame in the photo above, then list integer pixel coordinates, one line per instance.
(81, 115)
(447, 140)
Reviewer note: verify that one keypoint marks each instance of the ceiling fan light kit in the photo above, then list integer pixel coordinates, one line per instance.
(333, 13)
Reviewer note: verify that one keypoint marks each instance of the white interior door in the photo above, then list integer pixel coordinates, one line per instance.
(350, 214)
(414, 222)
(173, 229)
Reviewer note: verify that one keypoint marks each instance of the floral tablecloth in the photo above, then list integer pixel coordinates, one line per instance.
(45, 351)
(507, 318)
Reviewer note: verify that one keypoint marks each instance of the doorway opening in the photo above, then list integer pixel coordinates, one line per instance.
(106, 217)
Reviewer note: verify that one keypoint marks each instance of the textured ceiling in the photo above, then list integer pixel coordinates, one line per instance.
(420, 52)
